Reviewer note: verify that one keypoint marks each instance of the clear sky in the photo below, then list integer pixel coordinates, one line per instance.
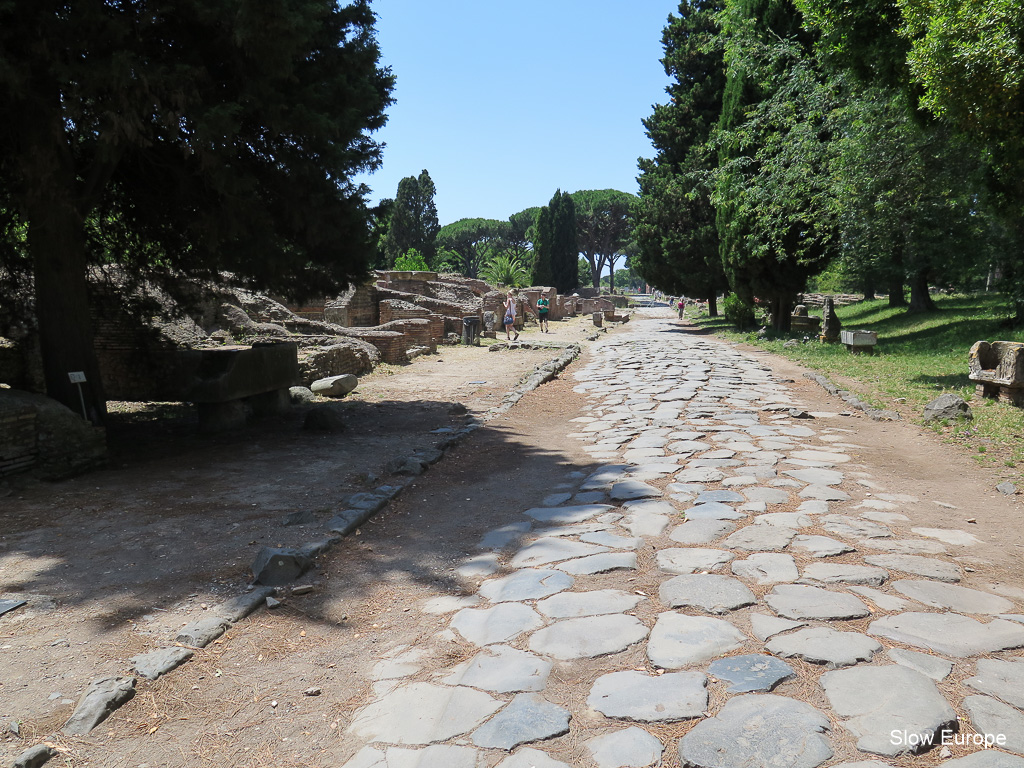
(505, 102)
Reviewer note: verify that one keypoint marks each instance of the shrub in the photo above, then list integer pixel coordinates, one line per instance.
(411, 261)
(738, 312)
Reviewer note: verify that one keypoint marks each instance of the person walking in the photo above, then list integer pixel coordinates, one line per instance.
(543, 305)
(682, 308)
(510, 317)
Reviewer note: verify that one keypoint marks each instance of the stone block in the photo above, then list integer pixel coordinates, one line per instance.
(276, 566)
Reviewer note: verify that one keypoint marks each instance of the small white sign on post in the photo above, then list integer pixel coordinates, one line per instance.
(78, 377)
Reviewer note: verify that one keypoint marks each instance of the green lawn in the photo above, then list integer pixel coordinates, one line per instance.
(918, 357)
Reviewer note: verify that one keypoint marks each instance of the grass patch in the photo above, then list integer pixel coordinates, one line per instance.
(919, 356)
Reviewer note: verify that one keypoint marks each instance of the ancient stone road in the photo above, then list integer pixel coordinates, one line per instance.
(794, 619)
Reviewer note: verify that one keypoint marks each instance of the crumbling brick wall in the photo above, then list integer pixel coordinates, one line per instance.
(18, 445)
(356, 308)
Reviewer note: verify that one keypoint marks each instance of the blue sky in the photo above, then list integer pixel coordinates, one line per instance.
(503, 103)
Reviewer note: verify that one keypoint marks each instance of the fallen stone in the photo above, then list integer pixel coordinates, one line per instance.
(799, 601)
(35, 757)
(836, 573)
(503, 622)
(823, 645)
(277, 566)
(692, 559)
(933, 666)
(203, 631)
(879, 702)
(632, 695)
(709, 592)
(629, 748)
(161, 661)
(950, 633)
(335, 386)
(575, 604)
(751, 672)
(528, 717)
(1002, 679)
(1002, 724)
(525, 584)
(947, 407)
(588, 637)
(953, 597)
(1007, 488)
(919, 566)
(758, 730)
(678, 640)
(100, 700)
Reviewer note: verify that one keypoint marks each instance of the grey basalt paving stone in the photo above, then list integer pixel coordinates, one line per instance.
(632, 695)
(501, 669)
(627, 490)
(785, 519)
(905, 546)
(608, 539)
(700, 475)
(933, 666)
(588, 637)
(609, 561)
(879, 702)
(709, 592)
(953, 597)
(1001, 723)
(928, 567)
(554, 499)
(479, 566)
(883, 600)
(764, 626)
(423, 713)
(595, 603)
(1003, 679)
(433, 756)
(800, 601)
(842, 573)
(824, 493)
(528, 717)
(713, 510)
(759, 538)
(949, 633)
(505, 536)
(526, 757)
(701, 531)
(161, 661)
(503, 622)
(854, 527)
(632, 747)
(819, 477)
(823, 645)
(101, 698)
(526, 584)
(576, 513)
(722, 496)
(767, 568)
(551, 549)
(751, 673)
(988, 758)
(681, 560)
(678, 640)
(758, 730)
(819, 546)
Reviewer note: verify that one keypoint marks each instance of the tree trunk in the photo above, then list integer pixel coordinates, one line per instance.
(712, 306)
(869, 287)
(611, 278)
(920, 299)
(782, 311)
(896, 291)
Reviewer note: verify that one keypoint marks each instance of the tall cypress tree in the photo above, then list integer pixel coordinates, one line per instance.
(541, 272)
(565, 250)
(413, 220)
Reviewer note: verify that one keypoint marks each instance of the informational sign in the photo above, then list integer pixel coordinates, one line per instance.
(77, 377)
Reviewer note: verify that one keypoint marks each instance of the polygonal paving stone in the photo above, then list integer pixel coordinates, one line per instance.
(988, 758)
(820, 546)
(933, 666)
(479, 566)
(713, 510)
(552, 549)
(399, 662)
(722, 496)
(502, 669)
(588, 637)
(626, 490)
(422, 713)
(759, 538)
(528, 717)
(1003, 679)
(692, 559)
(709, 592)
(880, 702)
(449, 603)
(642, 523)
(764, 626)
(854, 527)
(602, 478)
(701, 531)
(554, 499)
(758, 730)
(1001, 723)
(842, 573)
(828, 456)
(526, 584)
(575, 604)
(505, 536)
(883, 600)
(609, 561)
(905, 546)
(953, 597)
(824, 493)
(678, 640)
(767, 568)
(574, 514)
(608, 539)
(799, 601)
(633, 747)
(433, 756)
(785, 519)
(700, 475)
(531, 758)
(928, 567)
(950, 536)
(823, 477)
(503, 622)
(751, 672)
(632, 695)
(823, 645)
(950, 633)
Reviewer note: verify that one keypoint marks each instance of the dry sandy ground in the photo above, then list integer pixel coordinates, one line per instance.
(131, 553)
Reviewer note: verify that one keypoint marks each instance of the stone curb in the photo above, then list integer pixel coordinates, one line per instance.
(852, 400)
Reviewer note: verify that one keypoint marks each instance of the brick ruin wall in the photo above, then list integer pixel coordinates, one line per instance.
(356, 308)
(19, 447)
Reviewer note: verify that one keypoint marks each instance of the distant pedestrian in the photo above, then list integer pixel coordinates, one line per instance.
(543, 305)
(681, 306)
(510, 317)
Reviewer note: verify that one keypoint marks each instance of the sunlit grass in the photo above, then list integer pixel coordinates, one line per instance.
(919, 356)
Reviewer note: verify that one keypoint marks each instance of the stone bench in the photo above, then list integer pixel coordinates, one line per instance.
(997, 367)
(859, 341)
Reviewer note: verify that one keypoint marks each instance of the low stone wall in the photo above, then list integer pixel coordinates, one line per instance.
(18, 446)
(532, 294)
(336, 358)
(407, 282)
(41, 435)
(391, 345)
(356, 308)
(421, 331)
(437, 306)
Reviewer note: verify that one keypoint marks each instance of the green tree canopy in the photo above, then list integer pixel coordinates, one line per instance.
(413, 219)
(555, 247)
(473, 241)
(187, 136)
(604, 226)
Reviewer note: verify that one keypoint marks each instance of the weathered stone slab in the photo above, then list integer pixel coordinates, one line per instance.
(882, 599)
(824, 493)
(603, 478)
(933, 666)
(822, 477)
(952, 536)
(575, 604)
(502, 669)
(679, 641)
(953, 597)
(503, 537)
(989, 758)
(587, 637)
(785, 519)
(767, 568)
(609, 561)
(203, 631)
(632, 695)
(759, 538)
(528, 717)
(1003, 679)
(701, 531)
(799, 601)
(725, 497)
(758, 730)
(692, 559)
(709, 592)
(820, 546)
(764, 626)
(751, 673)
(644, 523)
(401, 661)
(626, 490)
(161, 661)
(530, 758)
(100, 700)
(576, 513)
(841, 573)
(823, 645)
(433, 756)
(928, 567)
(503, 622)
(950, 633)
(608, 539)
(552, 549)
(1001, 724)
(700, 475)
(905, 546)
(526, 584)
(713, 510)
(423, 713)
(630, 748)
(478, 566)
(449, 603)
(882, 703)
(854, 527)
